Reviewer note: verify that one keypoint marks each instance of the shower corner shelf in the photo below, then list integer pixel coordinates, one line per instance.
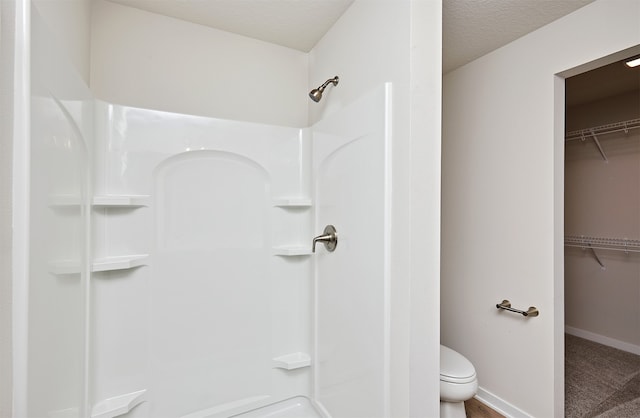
(118, 405)
(292, 202)
(121, 200)
(292, 361)
(64, 413)
(122, 262)
(64, 267)
(291, 251)
(64, 200)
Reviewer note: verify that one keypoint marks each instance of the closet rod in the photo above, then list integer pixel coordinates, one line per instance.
(615, 244)
(623, 126)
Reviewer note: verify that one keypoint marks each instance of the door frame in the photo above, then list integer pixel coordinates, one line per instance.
(558, 209)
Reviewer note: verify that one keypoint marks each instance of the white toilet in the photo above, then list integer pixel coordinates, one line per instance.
(458, 383)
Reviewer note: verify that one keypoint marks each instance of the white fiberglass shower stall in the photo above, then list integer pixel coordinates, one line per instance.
(204, 293)
(202, 232)
(187, 241)
(171, 271)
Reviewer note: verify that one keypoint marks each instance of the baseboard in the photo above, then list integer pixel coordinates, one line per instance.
(500, 405)
(601, 339)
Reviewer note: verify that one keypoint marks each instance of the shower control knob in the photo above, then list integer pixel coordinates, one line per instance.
(329, 238)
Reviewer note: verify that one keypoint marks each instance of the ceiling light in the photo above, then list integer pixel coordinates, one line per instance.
(633, 62)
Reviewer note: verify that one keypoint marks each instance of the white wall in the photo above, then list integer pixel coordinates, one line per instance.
(502, 203)
(58, 157)
(151, 61)
(6, 150)
(603, 200)
(70, 23)
(372, 43)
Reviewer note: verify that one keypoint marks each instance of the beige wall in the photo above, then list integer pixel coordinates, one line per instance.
(621, 107)
(151, 61)
(602, 199)
(502, 217)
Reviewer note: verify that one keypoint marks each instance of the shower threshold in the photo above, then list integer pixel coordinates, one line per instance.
(298, 407)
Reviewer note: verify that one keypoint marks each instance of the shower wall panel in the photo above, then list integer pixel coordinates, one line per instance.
(210, 315)
(59, 163)
(57, 254)
(351, 172)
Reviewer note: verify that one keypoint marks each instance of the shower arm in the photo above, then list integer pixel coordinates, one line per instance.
(316, 94)
(324, 85)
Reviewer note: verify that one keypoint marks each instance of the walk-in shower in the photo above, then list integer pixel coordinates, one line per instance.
(188, 285)
(169, 269)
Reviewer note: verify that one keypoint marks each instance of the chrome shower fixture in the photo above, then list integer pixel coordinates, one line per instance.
(316, 94)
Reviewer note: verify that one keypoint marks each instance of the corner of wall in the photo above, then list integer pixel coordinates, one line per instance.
(6, 166)
(70, 23)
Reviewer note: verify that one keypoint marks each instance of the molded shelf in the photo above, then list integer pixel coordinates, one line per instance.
(118, 405)
(101, 200)
(292, 202)
(291, 251)
(64, 413)
(64, 200)
(122, 262)
(292, 361)
(64, 267)
(121, 200)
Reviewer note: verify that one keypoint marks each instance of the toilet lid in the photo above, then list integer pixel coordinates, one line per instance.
(454, 367)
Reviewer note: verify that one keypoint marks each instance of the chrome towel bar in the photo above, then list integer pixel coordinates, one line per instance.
(506, 305)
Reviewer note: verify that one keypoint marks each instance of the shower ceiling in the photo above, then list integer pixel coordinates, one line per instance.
(471, 28)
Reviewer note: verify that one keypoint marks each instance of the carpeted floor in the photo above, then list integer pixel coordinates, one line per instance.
(600, 381)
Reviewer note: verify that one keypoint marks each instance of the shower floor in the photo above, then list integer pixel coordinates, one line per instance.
(298, 407)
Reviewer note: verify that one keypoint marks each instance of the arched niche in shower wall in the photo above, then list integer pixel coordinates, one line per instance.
(210, 322)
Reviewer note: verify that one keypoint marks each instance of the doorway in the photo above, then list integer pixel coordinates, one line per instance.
(602, 241)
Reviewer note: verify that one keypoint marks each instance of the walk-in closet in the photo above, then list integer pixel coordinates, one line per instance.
(602, 242)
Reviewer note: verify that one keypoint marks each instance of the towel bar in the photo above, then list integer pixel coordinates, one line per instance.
(506, 305)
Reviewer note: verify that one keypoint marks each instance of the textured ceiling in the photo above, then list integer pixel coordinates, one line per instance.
(471, 28)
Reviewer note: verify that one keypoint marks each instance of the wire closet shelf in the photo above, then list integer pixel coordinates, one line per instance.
(584, 134)
(592, 133)
(599, 243)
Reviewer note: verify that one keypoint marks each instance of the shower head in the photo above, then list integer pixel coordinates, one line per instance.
(316, 94)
